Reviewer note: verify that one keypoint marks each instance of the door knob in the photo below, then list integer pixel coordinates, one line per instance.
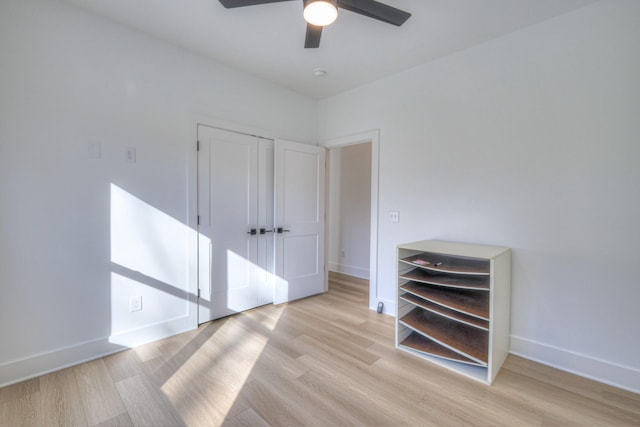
(253, 232)
(280, 230)
(263, 231)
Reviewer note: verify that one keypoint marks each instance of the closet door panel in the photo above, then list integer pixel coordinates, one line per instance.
(299, 207)
(266, 241)
(227, 199)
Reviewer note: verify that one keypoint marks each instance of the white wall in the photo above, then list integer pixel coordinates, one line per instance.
(80, 236)
(530, 141)
(350, 209)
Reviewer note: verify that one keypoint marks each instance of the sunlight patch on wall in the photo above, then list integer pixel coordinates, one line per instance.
(147, 240)
(156, 306)
(149, 282)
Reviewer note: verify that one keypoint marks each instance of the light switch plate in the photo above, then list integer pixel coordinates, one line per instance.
(130, 154)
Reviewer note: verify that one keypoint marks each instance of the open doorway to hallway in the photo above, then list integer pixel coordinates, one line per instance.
(349, 210)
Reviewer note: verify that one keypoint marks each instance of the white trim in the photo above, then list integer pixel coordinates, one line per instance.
(231, 126)
(192, 221)
(372, 136)
(349, 269)
(624, 377)
(40, 364)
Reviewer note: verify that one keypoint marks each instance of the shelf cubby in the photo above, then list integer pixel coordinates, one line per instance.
(422, 344)
(446, 312)
(468, 302)
(478, 283)
(453, 305)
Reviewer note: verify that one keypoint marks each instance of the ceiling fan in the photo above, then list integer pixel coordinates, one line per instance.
(319, 13)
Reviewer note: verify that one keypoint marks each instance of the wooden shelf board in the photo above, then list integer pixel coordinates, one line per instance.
(470, 282)
(464, 339)
(477, 373)
(446, 312)
(468, 302)
(422, 344)
(448, 264)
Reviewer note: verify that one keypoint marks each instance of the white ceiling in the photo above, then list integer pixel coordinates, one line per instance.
(267, 40)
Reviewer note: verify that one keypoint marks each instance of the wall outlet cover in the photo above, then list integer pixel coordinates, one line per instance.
(135, 303)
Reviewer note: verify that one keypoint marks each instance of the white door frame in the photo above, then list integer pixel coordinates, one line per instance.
(372, 137)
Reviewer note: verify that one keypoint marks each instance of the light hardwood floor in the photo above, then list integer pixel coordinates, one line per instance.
(323, 361)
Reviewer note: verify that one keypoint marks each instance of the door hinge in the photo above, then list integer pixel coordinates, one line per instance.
(198, 292)
(198, 219)
(197, 145)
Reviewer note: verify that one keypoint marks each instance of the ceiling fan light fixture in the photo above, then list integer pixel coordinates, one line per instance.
(320, 12)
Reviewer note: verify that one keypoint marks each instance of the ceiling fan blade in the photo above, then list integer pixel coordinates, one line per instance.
(240, 3)
(312, 39)
(376, 10)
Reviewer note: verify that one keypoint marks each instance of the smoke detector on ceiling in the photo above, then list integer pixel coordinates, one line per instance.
(319, 72)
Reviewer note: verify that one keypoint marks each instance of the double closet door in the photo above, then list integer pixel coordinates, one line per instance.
(261, 221)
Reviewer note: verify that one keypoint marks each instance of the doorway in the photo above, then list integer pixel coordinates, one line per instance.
(349, 214)
(352, 214)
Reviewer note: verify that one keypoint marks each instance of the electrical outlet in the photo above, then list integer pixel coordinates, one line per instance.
(130, 154)
(394, 216)
(135, 303)
(342, 254)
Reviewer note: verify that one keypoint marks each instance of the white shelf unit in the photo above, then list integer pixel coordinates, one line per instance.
(453, 305)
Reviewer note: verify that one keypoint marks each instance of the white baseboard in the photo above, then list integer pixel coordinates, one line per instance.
(150, 333)
(624, 377)
(362, 273)
(33, 366)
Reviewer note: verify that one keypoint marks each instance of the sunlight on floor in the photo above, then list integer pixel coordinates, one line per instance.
(205, 389)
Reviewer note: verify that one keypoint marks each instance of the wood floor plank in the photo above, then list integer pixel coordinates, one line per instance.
(204, 388)
(369, 392)
(621, 399)
(22, 411)
(122, 420)
(98, 392)
(376, 390)
(272, 361)
(297, 395)
(586, 387)
(61, 402)
(247, 418)
(272, 407)
(123, 365)
(351, 281)
(557, 405)
(19, 390)
(353, 409)
(145, 404)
